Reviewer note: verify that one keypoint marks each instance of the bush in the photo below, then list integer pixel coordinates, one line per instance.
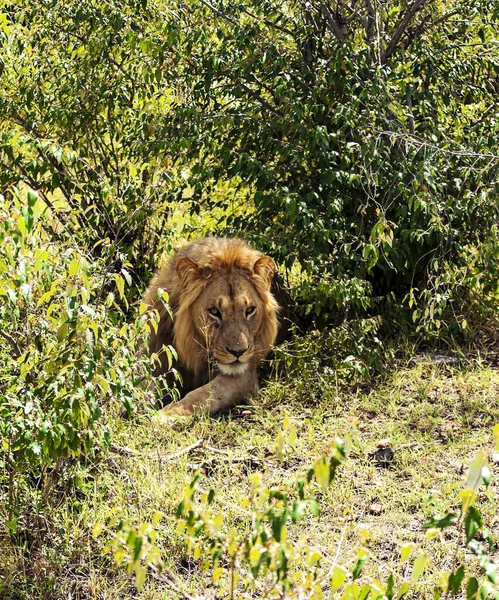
(81, 124)
(69, 359)
(363, 145)
(357, 145)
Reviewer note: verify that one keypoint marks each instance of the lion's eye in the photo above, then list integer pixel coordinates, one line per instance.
(250, 311)
(214, 312)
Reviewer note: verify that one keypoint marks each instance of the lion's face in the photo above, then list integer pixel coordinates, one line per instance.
(226, 315)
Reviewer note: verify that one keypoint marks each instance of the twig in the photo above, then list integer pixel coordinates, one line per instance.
(220, 13)
(337, 29)
(166, 576)
(269, 23)
(483, 115)
(262, 101)
(415, 445)
(227, 460)
(337, 553)
(51, 480)
(16, 350)
(421, 143)
(182, 451)
(124, 451)
(216, 450)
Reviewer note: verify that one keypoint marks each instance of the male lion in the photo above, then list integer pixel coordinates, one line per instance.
(224, 321)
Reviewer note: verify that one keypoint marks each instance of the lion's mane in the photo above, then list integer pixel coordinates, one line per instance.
(184, 278)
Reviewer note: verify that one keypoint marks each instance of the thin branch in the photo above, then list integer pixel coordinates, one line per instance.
(229, 460)
(65, 181)
(166, 576)
(124, 451)
(269, 23)
(262, 101)
(220, 14)
(16, 350)
(415, 141)
(370, 22)
(225, 458)
(483, 115)
(427, 21)
(334, 25)
(415, 7)
(182, 451)
(337, 554)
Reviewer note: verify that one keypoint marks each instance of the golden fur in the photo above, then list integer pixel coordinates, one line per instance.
(223, 312)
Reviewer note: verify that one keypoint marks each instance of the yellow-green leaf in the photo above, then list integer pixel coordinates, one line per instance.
(74, 266)
(405, 552)
(475, 472)
(140, 576)
(338, 578)
(418, 567)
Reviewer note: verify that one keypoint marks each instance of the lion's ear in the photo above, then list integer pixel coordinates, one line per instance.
(187, 271)
(265, 268)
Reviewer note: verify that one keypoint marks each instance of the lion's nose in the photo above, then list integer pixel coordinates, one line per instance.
(236, 353)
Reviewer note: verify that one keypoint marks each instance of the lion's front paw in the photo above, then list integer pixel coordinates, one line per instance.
(176, 409)
(196, 402)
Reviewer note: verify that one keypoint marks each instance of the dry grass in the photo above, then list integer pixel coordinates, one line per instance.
(435, 418)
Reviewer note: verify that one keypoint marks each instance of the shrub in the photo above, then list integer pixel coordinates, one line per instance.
(357, 145)
(69, 359)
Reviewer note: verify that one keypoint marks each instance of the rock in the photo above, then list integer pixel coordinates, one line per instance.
(383, 457)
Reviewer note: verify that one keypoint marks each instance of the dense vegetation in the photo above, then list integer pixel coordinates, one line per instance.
(357, 143)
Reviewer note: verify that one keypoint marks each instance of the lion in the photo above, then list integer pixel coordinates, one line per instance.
(225, 321)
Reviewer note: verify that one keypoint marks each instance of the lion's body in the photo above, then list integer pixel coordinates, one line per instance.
(224, 319)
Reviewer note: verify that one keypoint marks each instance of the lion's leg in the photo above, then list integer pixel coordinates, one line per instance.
(223, 392)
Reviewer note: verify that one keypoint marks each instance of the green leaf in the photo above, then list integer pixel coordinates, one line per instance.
(475, 471)
(441, 522)
(315, 508)
(496, 436)
(389, 586)
(487, 591)
(298, 511)
(12, 525)
(455, 580)
(472, 523)
(365, 592)
(486, 475)
(472, 588)
(356, 571)
(127, 276)
(62, 332)
(180, 509)
(74, 267)
(404, 589)
(140, 576)
(120, 284)
(491, 572)
(322, 472)
(405, 552)
(32, 198)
